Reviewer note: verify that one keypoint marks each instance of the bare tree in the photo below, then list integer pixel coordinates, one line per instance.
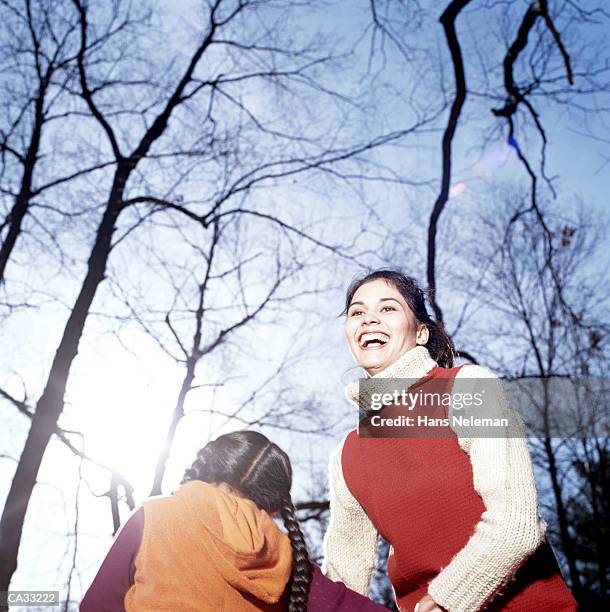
(549, 324)
(588, 514)
(201, 345)
(227, 285)
(529, 69)
(39, 46)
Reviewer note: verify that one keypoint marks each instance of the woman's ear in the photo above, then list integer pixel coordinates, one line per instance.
(423, 335)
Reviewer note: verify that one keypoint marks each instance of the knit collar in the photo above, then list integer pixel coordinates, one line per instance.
(414, 364)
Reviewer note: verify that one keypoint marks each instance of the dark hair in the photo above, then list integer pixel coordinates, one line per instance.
(249, 462)
(439, 343)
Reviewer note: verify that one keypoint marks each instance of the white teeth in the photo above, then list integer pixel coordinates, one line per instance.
(373, 338)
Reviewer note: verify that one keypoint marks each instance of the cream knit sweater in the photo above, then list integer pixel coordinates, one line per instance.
(508, 532)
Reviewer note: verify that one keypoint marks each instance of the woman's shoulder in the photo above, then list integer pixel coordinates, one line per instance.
(474, 371)
(477, 379)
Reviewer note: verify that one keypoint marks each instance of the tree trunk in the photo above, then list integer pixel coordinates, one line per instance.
(15, 220)
(113, 494)
(169, 439)
(51, 402)
(566, 540)
(448, 19)
(22, 201)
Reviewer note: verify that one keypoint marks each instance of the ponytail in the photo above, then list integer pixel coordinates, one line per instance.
(439, 345)
(300, 579)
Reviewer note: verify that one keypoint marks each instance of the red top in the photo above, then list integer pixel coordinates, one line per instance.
(420, 496)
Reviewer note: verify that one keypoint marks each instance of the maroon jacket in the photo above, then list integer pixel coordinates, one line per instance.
(116, 575)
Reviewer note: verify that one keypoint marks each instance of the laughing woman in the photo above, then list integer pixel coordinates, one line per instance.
(459, 511)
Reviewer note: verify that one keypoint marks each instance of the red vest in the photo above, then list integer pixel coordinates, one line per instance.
(419, 494)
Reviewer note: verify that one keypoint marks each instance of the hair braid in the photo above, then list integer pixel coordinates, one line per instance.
(300, 579)
(195, 472)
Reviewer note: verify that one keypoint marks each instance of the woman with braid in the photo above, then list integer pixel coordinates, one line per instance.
(213, 545)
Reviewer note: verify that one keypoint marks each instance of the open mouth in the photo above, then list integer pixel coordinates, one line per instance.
(369, 340)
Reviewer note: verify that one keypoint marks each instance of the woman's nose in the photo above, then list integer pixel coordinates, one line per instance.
(370, 317)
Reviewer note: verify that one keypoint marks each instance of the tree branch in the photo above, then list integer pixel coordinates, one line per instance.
(448, 19)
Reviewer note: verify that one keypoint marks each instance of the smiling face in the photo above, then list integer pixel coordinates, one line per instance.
(380, 326)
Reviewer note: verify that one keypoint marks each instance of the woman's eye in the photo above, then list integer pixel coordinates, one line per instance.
(388, 308)
(355, 313)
